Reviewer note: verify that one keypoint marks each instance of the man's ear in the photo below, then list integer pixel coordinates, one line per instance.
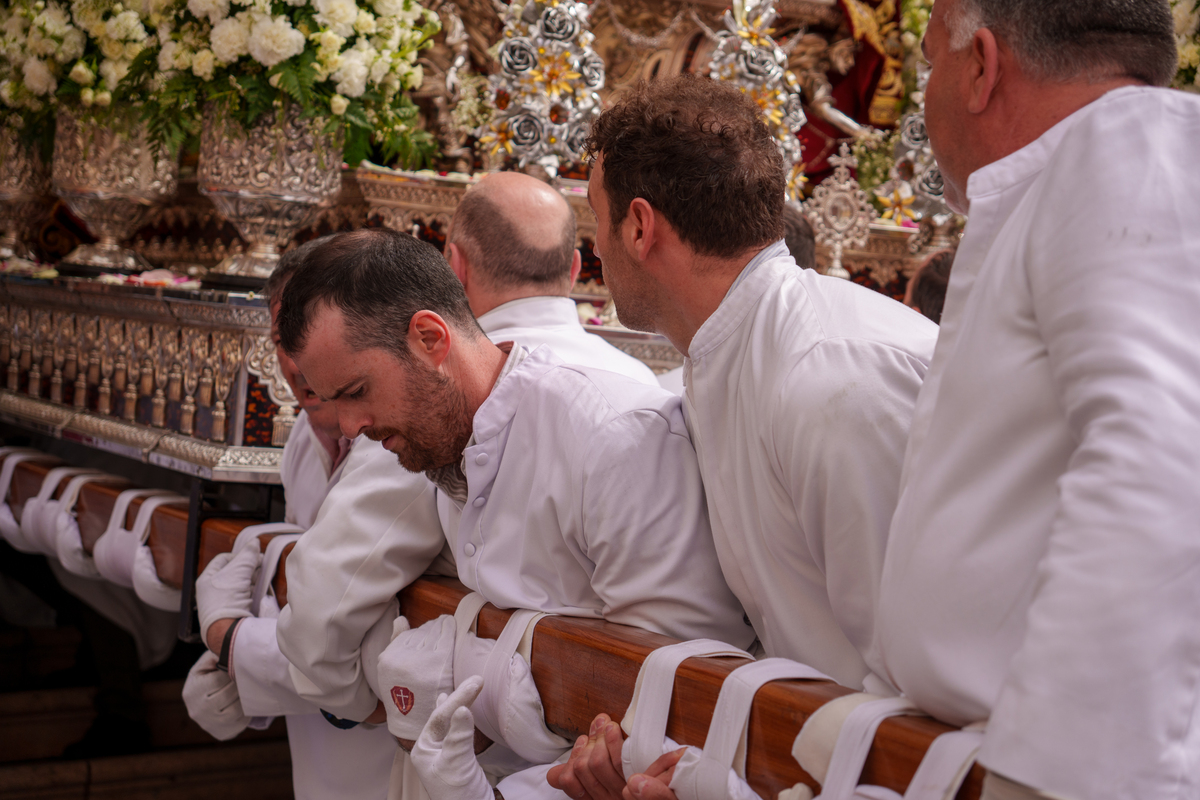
(429, 338)
(459, 263)
(639, 228)
(983, 70)
(576, 266)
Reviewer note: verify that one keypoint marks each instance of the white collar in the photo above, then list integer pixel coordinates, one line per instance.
(531, 312)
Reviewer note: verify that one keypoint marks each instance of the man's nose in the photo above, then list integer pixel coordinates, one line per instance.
(352, 423)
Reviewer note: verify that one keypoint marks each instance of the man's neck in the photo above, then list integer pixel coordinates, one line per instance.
(484, 300)
(697, 295)
(479, 365)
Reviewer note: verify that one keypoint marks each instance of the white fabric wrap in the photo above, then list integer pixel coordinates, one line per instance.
(63, 529)
(508, 709)
(39, 520)
(116, 550)
(835, 741)
(646, 719)
(269, 568)
(719, 771)
(10, 527)
(27, 536)
(70, 545)
(146, 584)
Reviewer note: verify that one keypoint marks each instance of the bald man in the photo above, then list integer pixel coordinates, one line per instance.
(512, 246)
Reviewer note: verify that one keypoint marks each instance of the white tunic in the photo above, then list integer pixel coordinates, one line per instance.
(584, 499)
(553, 321)
(304, 469)
(800, 390)
(1044, 567)
(377, 531)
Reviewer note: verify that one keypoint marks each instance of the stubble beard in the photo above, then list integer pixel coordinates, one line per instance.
(628, 292)
(438, 437)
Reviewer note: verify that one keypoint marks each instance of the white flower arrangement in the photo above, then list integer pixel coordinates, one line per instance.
(76, 54)
(346, 62)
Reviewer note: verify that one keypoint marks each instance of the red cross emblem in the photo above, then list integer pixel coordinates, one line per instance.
(403, 699)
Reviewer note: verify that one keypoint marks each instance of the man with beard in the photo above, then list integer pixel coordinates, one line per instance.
(561, 488)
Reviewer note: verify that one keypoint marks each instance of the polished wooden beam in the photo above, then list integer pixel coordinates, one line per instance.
(584, 667)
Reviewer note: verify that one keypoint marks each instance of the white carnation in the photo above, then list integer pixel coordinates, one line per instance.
(380, 68)
(82, 75)
(126, 26)
(72, 46)
(54, 21)
(212, 10)
(338, 104)
(388, 8)
(1187, 19)
(15, 26)
(274, 40)
(112, 48)
(38, 77)
(133, 50)
(352, 75)
(337, 15)
(38, 44)
(113, 71)
(203, 64)
(365, 22)
(230, 40)
(87, 97)
(6, 92)
(103, 98)
(166, 55)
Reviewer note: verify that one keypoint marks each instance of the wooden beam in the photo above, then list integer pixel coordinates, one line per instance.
(584, 667)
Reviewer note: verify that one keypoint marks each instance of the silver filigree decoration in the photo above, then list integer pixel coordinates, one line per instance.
(839, 211)
(24, 194)
(747, 56)
(545, 92)
(262, 361)
(111, 178)
(268, 181)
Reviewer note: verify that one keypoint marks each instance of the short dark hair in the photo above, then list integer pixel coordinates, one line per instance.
(497, 247)
(929, 289)
(798, 235)
(379, 278)
(698, 151)
(288, 262)
(1072, 39)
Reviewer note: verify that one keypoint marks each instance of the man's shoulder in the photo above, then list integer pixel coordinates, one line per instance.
(807, 312)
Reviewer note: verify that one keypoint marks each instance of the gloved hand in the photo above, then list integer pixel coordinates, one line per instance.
(212, 699)
(415, 669)
(225, 588)
(444, 755)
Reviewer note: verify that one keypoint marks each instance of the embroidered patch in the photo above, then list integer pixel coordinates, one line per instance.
(403, 699)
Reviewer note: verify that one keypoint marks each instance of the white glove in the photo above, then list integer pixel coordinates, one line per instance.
(413, 671)
(444, 755)
(224, 590)
(212, 699)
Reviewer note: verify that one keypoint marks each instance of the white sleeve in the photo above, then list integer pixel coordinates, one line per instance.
(648, 535)
(841, 422)
(261, 672)
(377, 531)
(1111, 642)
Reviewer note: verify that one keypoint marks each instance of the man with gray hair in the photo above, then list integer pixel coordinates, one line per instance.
(1043, 566)
(512, 246)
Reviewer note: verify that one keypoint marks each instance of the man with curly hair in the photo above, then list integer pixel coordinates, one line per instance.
(799, 388)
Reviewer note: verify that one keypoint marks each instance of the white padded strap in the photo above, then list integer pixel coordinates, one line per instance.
(725, 745)
(945, 765)
(10, 466)
(269, 567)
(854, 744)
(116, 552)
(464, 620)
(646, 719)
(70, 495)
(147, 585)
(495, 672)
(55, 476)
(141, 525)
(116, 520)
(245, 535)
